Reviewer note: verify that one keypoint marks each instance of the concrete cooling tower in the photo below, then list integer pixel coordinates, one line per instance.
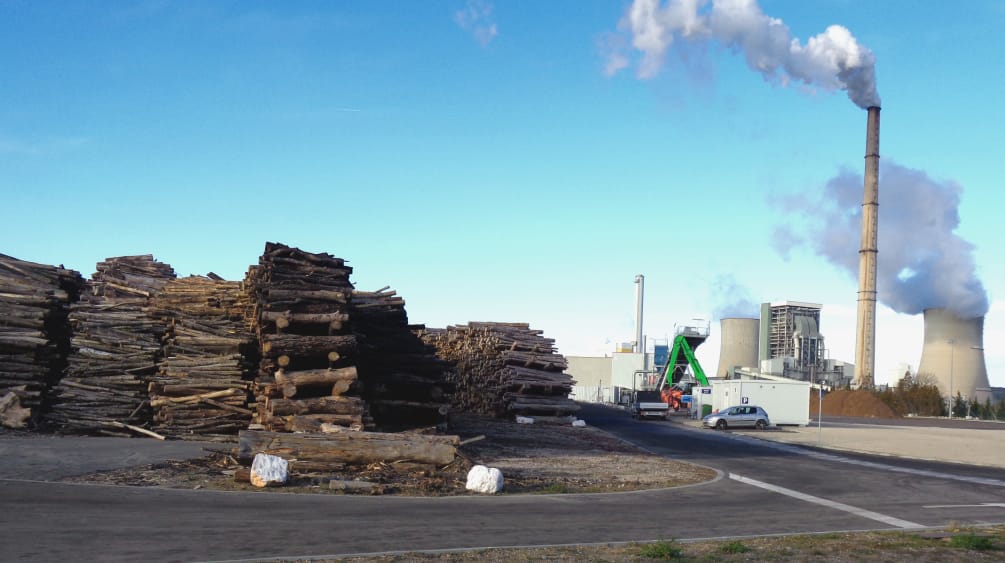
(953, 353)
(739, 344)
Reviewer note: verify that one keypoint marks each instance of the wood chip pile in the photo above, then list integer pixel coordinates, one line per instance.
(505, 369)
(300, 314)
(201, 388)
(402, 380)
(34, 333)
(115, 348)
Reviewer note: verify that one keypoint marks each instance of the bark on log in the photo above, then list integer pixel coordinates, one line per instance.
(337, 381)
(277, 345)
(320, 405)
(350, 447)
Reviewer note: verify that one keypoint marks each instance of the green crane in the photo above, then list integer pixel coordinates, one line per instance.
(680, 345)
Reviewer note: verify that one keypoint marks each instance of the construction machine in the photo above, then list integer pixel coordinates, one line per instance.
(676, 381)
(661, 392)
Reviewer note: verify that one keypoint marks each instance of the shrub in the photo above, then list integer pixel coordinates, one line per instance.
(972, 541)
(734, 547)
(661, 550)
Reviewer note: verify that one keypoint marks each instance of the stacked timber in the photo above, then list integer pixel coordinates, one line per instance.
(114, 350)
(300, 314)
(505, 369)
(34, 333)
(200, 390)
(402, 380)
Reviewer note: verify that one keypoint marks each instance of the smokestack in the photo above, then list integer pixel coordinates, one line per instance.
(640, 282)
(953, 354)
(738, 345)
(865, 339)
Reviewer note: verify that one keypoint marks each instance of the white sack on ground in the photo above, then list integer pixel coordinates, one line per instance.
(269, 469)
(483, 479)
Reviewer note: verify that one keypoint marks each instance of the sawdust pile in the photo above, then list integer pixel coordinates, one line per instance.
(844, 402)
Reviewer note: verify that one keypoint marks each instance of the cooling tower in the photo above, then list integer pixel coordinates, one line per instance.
(953, 354)
(865, 339)
(739, 344)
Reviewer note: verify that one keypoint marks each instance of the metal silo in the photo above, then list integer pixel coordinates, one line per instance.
(953, 354)
(739, 342)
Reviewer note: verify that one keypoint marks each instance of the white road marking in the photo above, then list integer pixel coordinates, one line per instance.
(998, 504)
(874, 465)
(889, 520)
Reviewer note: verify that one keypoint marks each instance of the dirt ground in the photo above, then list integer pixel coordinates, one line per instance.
(844, 402)
(534, 458)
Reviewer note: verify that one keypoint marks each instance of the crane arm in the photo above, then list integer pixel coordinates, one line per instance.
(680, 345)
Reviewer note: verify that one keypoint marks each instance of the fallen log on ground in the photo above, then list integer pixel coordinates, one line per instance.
(353, 448)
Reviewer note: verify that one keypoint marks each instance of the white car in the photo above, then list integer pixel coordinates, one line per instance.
(744, 416)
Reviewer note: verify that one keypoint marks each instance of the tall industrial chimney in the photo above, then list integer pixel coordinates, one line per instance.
(640, 282)
(865, 338)
(738, 345)
(954, 354)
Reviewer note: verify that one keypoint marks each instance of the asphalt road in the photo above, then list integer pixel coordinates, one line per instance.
(764, 488)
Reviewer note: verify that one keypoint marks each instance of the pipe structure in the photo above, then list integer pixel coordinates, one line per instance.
(640, 282)
(865, 338)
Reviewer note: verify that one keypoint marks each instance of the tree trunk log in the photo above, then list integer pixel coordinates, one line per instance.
(350, 447)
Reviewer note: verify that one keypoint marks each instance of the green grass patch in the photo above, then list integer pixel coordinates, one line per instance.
(661, 550)
(972, 541)
(734, 547)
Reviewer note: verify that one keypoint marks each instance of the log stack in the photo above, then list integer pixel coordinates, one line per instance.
(505, 369)
(34, 333)
(300, 314)
(201, 388)
(402, 380)
(114, 349)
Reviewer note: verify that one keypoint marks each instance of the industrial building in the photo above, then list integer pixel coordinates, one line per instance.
(792, 345)
(953, 354)
(784, 344)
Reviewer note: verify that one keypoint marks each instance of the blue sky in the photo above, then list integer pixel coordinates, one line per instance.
(477, 157)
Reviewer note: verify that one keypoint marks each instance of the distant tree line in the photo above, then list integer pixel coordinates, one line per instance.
(919, 396)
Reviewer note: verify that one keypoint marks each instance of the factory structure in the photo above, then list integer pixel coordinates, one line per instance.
(953, 354)
(784, 344)
(787, 344)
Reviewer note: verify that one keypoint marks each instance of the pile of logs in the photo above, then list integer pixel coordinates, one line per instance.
(300, 314)
(201, 388)
(505, 369)
(34, 334)
(115, 348)
(403, 381)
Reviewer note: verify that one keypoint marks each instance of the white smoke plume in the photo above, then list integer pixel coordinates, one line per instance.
(832, 60)
(732, 299)
(922, 262)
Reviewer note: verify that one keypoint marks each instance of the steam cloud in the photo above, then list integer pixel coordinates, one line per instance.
(922, 262)
(733, 299)
(476, 17)
(832, 60)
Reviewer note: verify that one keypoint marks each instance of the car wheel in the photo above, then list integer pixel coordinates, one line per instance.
(720, 424)
(761, 425)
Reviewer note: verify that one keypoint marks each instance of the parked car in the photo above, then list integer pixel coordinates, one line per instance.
(738, 417)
